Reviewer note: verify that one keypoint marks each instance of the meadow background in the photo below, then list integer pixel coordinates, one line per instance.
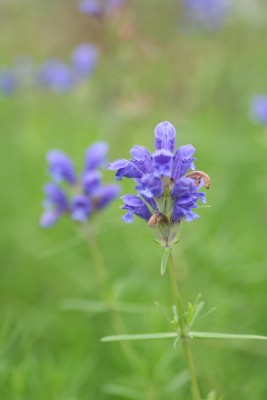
(149, 70)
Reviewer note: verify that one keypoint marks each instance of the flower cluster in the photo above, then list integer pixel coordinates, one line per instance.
(258, 109)
(53, 74)
(96, 8)
(167, 193)
(87, 193)
(208, 14)
(60, 77)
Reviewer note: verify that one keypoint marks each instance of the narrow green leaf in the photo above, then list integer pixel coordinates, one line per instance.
(197, 300)
(96, 306)
(144, 336)
(190, 313)
(197, 310)
(215, 335)
(123, 391)
(164, 260)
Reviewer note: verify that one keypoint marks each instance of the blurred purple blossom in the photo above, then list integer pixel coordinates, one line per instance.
(90, 7)
(56, 203)
(8, 82)
(56, 75)
(86, 193)
(60, 167)
(258, 109)
(84, 58)
(207, 14)
(97, 7)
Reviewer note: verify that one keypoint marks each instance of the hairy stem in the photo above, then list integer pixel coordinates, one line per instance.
(181, 325)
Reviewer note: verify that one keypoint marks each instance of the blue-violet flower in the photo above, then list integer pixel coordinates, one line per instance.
(86, 195)
(166, 192)
(97, 7)
(208, 14)
(258, 109)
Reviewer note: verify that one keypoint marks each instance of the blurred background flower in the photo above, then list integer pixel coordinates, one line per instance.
(86, 194)
(99, 7)
(258, 109)
(8, 82)
(205, 14)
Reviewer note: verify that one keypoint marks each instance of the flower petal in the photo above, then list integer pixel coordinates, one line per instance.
(60, 167)
(162, 160)
(81, 208)
(55, 198)
(165, 134)
(182, 187)
(136, 206)
(91, 182)
(49, 218)
(151, 186)
(182, 161)
(106, 195)
(95, 156)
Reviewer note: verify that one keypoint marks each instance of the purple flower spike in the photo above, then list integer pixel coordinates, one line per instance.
(84, 58)
(91, 195)
(81, 208)
(167, 190)
(136, 206)
(165, 134)
(258, 109)
(96, 156)
(60, 167)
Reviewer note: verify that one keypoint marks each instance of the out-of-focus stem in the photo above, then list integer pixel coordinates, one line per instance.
(185, 341)
(117, 321)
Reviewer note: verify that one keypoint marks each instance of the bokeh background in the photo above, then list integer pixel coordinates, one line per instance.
(153, 65)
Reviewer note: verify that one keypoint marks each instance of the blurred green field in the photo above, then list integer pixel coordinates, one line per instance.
(203, 84)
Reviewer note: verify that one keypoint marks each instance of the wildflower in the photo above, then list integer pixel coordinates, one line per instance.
(90, 7)
(209, 14)
(8, 81)
(97, 7)
(56, 75)
(79, 196)
(166, 192)
(84, 58)
(258, 109)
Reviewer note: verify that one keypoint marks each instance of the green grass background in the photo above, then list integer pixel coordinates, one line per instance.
(149, 71)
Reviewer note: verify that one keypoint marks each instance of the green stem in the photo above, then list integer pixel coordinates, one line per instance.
(117, 321)
(181, 324)
(191, 367)
(176, 295)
